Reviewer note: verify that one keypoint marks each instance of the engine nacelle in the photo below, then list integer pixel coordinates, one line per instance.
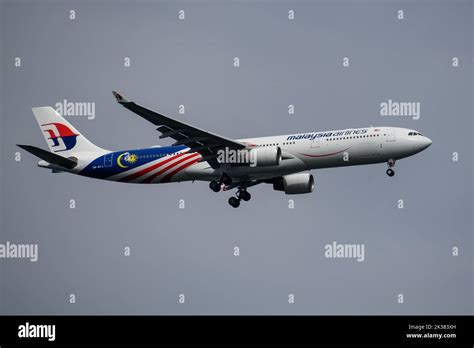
(295, 183)
(266, 156)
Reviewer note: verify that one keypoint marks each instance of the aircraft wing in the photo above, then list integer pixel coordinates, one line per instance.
(199, 140)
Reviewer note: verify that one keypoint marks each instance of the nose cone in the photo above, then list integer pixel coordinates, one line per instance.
(427, 141)
(423, 143)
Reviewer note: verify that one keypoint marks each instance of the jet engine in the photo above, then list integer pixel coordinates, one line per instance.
(266, 156)
(295, 183)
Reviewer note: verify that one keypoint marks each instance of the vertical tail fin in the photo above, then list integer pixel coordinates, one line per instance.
(61, 137)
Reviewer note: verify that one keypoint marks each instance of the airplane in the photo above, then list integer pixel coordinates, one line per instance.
(284, 161)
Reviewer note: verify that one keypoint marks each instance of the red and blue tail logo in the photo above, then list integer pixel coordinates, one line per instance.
(58, 131)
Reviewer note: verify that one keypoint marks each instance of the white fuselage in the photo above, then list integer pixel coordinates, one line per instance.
(317, 150)
(300, 152)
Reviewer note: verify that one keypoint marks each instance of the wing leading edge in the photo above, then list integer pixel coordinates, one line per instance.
(198, 140)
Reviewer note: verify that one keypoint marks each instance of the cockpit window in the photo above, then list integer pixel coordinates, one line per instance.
(414, 133)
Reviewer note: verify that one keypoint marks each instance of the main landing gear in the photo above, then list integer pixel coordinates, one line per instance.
(225, 182)
(216, 185)
(234, 202)
(242, 194)
(390, 172)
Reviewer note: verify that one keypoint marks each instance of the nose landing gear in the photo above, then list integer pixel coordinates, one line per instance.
(391, 163)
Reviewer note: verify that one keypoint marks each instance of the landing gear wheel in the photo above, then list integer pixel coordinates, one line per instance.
(214, 186)
(245, 195)
(234, 202)
(225, 179)
(390, 172)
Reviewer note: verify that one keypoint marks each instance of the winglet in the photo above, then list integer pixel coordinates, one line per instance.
(120, 98)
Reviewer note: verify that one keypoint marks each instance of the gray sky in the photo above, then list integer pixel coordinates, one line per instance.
(407, 251)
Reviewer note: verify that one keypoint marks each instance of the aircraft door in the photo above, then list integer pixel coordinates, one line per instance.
(108, 160)
(390, 134)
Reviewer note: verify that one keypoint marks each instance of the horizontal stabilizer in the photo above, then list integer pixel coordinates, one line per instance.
(49, 156)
